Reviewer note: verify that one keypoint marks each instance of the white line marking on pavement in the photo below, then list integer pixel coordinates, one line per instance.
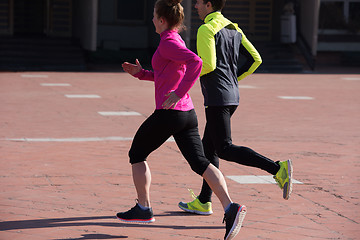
(119, 113)
(82, 96)
(34, 76)
(256, 179)
(55, 84)
(296, 97)
(89, 139)
(247, 86)
(351, 78)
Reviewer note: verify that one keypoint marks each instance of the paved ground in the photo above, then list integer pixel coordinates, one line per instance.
(64, 167)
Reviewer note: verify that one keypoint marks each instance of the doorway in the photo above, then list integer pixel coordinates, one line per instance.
(29, 17)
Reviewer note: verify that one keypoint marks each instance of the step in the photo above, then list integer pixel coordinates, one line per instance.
(58, 54)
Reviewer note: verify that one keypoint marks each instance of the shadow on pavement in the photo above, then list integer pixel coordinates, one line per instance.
(88, 221)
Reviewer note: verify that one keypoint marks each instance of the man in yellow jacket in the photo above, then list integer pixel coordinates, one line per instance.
(220, 43)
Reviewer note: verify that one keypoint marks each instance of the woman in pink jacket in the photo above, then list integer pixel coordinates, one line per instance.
(175, 70)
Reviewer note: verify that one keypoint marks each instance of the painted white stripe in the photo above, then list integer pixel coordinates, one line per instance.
(351, 78)
(89, 139)
(256, 179)
(82, 96)
(34, 76)
(296, 97)
(247, 86)
(119, 113)
(55, 84)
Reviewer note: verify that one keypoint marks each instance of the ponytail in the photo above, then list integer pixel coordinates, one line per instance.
(172, 12)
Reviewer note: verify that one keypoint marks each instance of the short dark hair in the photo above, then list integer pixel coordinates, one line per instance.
(218, 5)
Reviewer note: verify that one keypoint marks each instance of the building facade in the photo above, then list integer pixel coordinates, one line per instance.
(320, 25)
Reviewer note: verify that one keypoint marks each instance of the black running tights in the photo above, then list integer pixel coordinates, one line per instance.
(217, 144)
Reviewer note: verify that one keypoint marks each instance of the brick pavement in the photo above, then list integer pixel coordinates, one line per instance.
(65, 173)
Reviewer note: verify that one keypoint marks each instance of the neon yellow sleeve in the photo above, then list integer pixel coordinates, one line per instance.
(205, 44)
(253, 52)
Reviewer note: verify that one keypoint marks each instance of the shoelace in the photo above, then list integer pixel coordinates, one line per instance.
(192, 194)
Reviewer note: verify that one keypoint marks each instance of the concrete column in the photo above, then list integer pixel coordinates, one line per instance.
(88, 23)
(186, 35)
(310, 23)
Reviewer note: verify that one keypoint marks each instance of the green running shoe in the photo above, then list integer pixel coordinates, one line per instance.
(196, 206)
(284, 178)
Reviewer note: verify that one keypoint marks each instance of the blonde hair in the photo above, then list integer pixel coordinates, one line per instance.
(172, 12)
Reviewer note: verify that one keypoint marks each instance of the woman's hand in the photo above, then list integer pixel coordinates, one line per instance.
(172, 100)
(132, 68)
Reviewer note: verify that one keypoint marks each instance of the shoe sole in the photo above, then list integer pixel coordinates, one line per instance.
(195, 211)
(288, 186)
(137, 220)
(237, 223)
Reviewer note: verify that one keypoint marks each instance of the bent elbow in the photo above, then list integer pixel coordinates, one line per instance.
(258, 60)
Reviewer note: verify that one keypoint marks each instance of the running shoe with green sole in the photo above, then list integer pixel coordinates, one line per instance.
(284, 178)
(196, 206)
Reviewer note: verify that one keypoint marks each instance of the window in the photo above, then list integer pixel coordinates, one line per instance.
(131, 11)
(340, 15)
(354, 17)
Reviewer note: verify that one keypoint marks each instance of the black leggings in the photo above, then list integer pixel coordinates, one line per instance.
(217, 144)
(161, 125)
